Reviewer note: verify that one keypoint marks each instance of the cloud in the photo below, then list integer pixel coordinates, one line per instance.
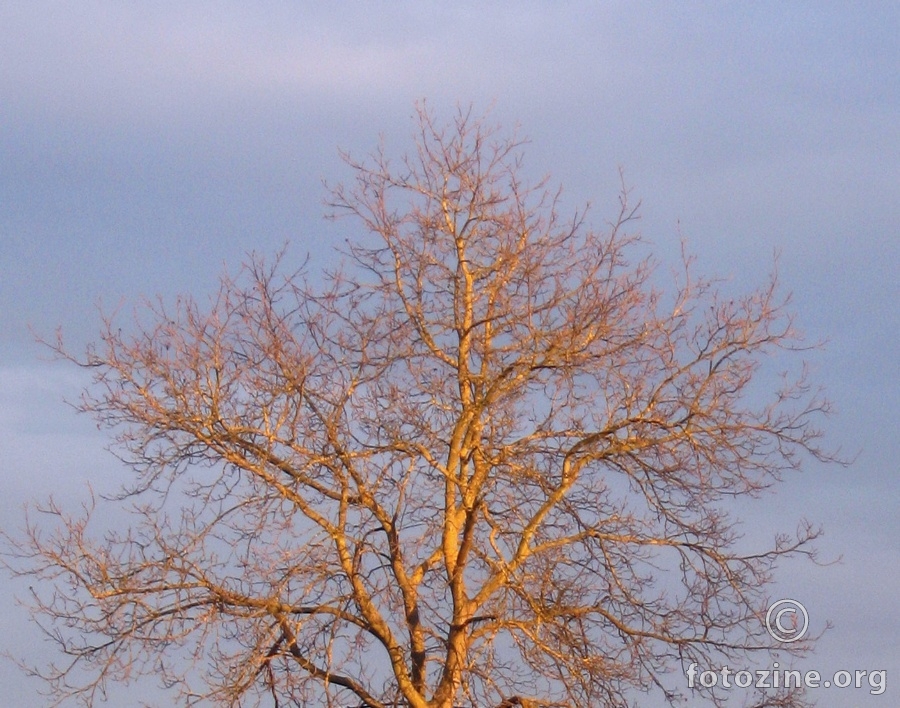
(143, 60)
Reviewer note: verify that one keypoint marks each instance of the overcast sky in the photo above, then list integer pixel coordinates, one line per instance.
(144, 146)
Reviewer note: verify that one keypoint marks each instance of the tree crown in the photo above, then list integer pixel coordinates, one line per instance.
(484, 465)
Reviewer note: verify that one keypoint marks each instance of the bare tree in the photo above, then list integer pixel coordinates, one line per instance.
(488, 464)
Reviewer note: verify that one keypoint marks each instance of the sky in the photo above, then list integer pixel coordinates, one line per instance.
(147, 146)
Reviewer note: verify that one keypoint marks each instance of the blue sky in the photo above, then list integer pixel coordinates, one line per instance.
(145, 146)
